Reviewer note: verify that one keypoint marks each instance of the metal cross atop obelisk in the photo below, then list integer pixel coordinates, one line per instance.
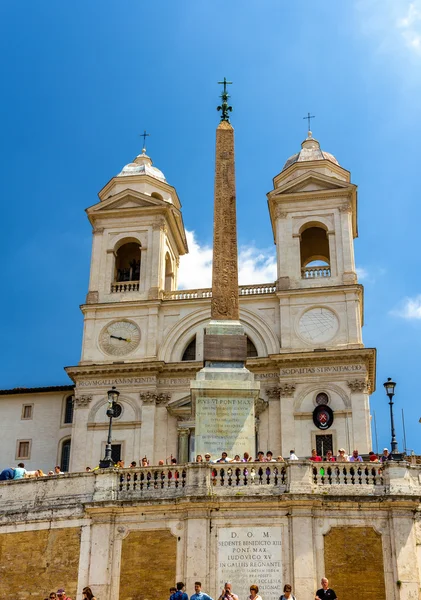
(224, 96)
(308, 117)
(144, 135)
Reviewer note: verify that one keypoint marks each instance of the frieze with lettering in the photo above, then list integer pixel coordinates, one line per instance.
(328, 370)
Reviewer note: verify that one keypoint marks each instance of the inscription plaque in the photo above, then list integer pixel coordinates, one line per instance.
(224, 424)
(248, 555)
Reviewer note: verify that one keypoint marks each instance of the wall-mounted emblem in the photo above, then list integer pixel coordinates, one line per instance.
(323, 416)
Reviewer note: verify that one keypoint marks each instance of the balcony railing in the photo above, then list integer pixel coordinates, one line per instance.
(348, 474)
(315, 272)
(229, 480)
(243, 290)
(125, 286)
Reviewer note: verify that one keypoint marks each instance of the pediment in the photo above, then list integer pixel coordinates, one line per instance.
(311, 182)
(128, 199)
(181, 408)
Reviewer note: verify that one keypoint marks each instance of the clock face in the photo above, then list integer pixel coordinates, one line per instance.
(119, 338)
(318, 325)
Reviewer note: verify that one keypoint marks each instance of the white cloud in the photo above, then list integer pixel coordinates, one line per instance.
(410, 308)
(255, 266)
(392, 22)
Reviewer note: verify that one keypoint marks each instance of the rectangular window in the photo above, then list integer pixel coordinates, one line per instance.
(23, 449)
(68, 410)
(323, 444)
(27, 411)
(116, 452)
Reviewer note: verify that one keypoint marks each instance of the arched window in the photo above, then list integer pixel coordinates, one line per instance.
(169, 275)
(68, 410)
(190, 350)
(251, 349)
(65, 455)
(314, 251)
(127, 262)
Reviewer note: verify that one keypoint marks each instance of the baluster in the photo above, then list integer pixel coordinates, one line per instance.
(283, 475)
(260, 473)
(229, 473)
(252, 475)
(359, 471)
(329, 475)
(245, 474)
(352, 473)
(148, 479)
(213, 475)
(314, 474)
(221, 476)
(169, 478)
(176, 478)
(237, 476)
(142, 479)
(345, 473)
(155, 480)
(162, 479)
(275, 473)
(183, 478)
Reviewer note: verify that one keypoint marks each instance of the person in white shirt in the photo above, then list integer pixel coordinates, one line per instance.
(20, 471)
(292, 455)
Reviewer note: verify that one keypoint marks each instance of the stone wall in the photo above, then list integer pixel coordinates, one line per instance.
(148, 565)
(355, 550)
(34, 563)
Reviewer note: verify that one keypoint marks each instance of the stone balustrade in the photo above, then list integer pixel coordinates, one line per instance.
(125, 286)
(243, 290)
(230, 480)
(315, 272)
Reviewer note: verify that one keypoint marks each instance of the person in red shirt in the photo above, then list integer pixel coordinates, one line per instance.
(330, 457)
(314, 456)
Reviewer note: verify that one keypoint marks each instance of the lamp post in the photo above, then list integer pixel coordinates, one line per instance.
(389, 386)
(107, 461)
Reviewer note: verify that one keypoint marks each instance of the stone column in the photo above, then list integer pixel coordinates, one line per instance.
(361, 435)
(101, 558)
(332, 253)
(287, 391)
(303, 555)
(405, 549)
(78, 446)
(151, 342)
(147, 435)
(275, 436)
(183, 445)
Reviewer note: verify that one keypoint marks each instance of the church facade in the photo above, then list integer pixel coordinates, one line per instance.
(145, 337)
(132, 533)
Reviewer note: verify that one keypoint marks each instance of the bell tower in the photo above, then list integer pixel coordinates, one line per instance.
(313, 211)
(138, 237)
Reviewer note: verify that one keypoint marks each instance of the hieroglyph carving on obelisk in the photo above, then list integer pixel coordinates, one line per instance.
(225, 266)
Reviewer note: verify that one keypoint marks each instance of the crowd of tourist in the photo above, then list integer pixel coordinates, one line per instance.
(20, 472)
(179, 593)
(60, 594)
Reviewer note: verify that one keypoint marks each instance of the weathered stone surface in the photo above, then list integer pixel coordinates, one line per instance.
(355, 550)
(148, 565)
(49, 557)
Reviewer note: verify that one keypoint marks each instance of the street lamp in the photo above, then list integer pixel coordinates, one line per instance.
(107, 461)
(389, 386)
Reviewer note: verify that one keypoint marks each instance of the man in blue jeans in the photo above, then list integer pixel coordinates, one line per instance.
(7, 474)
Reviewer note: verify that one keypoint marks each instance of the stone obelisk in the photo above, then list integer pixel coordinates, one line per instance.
(224, 391)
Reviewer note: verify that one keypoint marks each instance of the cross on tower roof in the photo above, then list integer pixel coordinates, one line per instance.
(308, 117)
(144, 135)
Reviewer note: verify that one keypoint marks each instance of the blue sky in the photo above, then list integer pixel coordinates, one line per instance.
(82, 80)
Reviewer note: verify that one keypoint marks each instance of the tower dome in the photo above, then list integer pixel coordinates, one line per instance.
(310, 150)
(142, 165)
